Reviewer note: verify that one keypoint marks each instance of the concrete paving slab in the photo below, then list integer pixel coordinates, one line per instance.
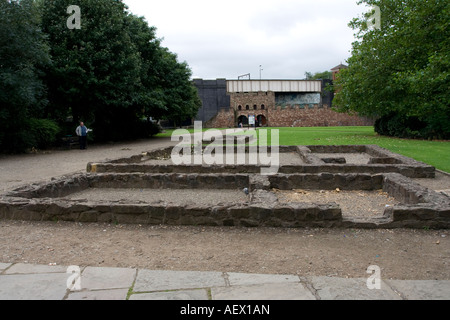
(4, 266)
(196, 294)
(115, 294)
(422, 289)
(23, 268)
(328, 288)
(236, 279)
(42, 286)
(101, 278)
(158, 280)
(266, 291)
(42, 282)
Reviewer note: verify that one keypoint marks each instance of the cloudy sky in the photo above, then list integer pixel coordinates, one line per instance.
(230, 38)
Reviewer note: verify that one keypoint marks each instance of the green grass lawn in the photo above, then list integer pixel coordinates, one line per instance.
(169, 132)
(435, 153)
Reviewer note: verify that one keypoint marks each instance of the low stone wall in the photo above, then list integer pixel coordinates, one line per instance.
(420, 207)
(293, 116)
(54, 189)
(326, 181)
(336, 149)
(407, 191)
(382, 161)
(163, 168)
(290, 216)
(69, 185)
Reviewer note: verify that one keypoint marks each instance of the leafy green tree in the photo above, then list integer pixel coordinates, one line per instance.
(23, 55)
(112, 72)
(328, 75)
(166, 89)
(149, 98)
(182, 101)
(401, 69)
(95, 71)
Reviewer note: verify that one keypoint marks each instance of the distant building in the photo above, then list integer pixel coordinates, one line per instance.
(273, 103)
(213, 94)
(336, 70)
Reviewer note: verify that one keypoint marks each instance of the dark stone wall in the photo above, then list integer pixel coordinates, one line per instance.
(295, 109)
(419, 207)
(213, 94)
(327, 95)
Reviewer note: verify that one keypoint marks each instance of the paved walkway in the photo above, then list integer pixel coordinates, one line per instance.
(42, 282)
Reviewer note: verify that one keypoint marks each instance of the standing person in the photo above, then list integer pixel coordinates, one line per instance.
(82, 132)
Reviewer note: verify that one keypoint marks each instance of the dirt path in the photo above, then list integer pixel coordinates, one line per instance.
(400, 253)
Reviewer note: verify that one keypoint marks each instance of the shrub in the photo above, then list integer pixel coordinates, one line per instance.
(42, 133)
(396, 125)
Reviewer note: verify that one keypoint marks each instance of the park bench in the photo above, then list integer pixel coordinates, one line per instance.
(69, 141)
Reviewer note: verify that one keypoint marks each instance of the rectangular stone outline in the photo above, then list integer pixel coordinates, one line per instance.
(421, 207)
(382, 161)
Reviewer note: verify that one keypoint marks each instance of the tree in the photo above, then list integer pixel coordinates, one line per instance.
(166, 91)
(181, 97)
(402, 69)
(95, 71)
(112, 72)
(325, 75)
(23, 55)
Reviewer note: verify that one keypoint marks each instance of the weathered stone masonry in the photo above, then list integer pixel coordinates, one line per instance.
(282, 108)
(420, 207)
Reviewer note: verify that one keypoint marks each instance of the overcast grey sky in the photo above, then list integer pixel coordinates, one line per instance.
(230, 38)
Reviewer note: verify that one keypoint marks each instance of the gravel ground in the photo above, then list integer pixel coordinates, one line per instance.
(18, 170)
(166, 196)
(400, 253)
(441, 183)
(360, 204)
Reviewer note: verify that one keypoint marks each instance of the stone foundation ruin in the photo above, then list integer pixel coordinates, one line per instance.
(293, 159)
(148, 189)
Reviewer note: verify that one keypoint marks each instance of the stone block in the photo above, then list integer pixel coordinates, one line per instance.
(239, 212)
(172, 213)
(249, 223)
(105, 217)
(284, 213)
(196, 211)
(261, 212)
(329, 212)
(423, 214)
(444, 213)
(400, 214)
